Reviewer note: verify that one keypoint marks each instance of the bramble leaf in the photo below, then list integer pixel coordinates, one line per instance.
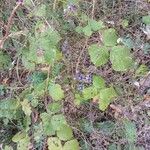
(87, 30)
(120, 58)
(130, 131)
(106, 96)
(8, 147)
(5, 60)
(41, 52)
(79, 29)
(142, 70)
(47, 124)
(26, 107)
(9, 108)
(125, 23)
(40, 11)
(98, 82)
(99, 55)
(19, 136)
(54, 107)
(54, 143)
(27, 64)
(27, 3)
(56, 92)
(42, 47)
(37, 77)
(65, 133)
(146, 19)
(106, 127)
(89, 93)
(96, 25)
(71, 145)
(22, 140)
(110, 37)
(38, 132)
(39, 89)
(58, 121)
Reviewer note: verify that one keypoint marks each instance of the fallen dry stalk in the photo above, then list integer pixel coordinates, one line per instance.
(8, 26)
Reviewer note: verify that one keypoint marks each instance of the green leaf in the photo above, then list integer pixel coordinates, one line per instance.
(98, 82)
(146, 19)
(86, 126)
(54, 143)
(87, 30)
(120, 58)
(50, 55)
(9, 108)
(65, 133)
(42, 46)
(78, 99)
(112, 147)
(46, 35)
(19, 136)
(110, 37)
(128, 42)
(27, 3)
(96, 25)
(79, 29)
(37, 77)
(34, 101)
(54, 107)
(27, 64)
(56, 92)
(58, 121)
(84, 17)
(125, 23)
(89, 93)
(24, 143)
(71, 145)
(106, 127)
(40, 11)
(26, 107)
(39, 89)
(53, 36)
(106, 96)
(84, 145)
(2, 90)
(22, 140)
(146, 48)
(8, 147)
(47, 124)
(130, 131)
(99, 55)
(142, 70)
(41, 52)
(57, 69)
(26, 123)
(5, 60)
(38, 132)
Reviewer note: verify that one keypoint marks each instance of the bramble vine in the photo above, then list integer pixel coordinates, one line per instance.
(37, 109)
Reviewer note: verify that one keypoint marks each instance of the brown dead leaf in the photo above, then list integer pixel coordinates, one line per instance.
(116, 108)
(95, 99)
(5, 81)
(147, 97)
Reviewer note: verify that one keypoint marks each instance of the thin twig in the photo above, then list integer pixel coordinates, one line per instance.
(8, 26)
(32, 3)
(17, 71)
(93, 8)
(54, 5)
